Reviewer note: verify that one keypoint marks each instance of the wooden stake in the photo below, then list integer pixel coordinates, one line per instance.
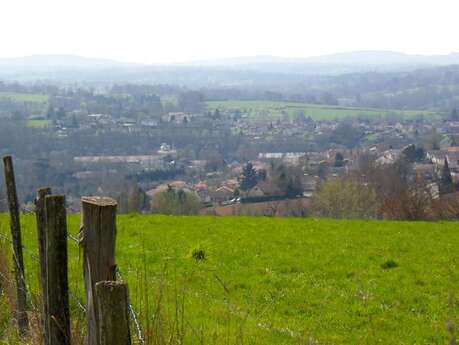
(41, 235)
(15, 225)
(57, 278)
(99, 233)
(112, 303)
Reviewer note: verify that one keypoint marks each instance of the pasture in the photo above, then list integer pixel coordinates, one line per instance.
(275, 281)
(38, 124)
(272, 110)
(25, 97)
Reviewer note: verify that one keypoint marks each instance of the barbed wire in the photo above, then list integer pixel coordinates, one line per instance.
(21, 271)
(26, 250)
(77, 301)
(73, 238)
(131, 310)
(37, 260)
(132, 313)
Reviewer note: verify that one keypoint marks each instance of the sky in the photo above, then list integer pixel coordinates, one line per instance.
(169, 31)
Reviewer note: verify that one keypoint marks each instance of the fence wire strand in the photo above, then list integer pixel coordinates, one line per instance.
(37, 260)
(132, 313)
(76, 240)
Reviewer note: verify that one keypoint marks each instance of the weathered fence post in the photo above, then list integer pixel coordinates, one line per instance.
(56, 271)
(15, 225)
(112, 304)
(99, 233)
(41, 234)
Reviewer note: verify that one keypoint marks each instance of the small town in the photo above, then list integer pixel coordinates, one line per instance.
(211, 172)
(230, 160)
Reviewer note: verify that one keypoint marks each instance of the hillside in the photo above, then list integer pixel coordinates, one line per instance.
(273, 110)
(280, 281)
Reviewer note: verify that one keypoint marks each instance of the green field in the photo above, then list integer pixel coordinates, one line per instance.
(38, 123)
(281, 281)
(25, 97)
(272, 110)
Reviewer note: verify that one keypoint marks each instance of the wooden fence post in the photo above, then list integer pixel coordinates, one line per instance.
(15, 225)
(56, 271)
(99, 233)
(112, 304)
(41, 235)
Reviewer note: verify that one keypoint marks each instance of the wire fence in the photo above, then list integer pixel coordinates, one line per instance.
(73, 296)
(132, 313)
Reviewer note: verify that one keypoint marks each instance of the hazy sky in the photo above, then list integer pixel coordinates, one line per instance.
(181, 30)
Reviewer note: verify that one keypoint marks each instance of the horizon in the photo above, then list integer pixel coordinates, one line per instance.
(229, 58)
(177, 31)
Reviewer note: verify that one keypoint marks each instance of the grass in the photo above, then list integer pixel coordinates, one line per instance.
(233, 280)
(171, 99)
(25, 97)
(40, 124)
(273, 110)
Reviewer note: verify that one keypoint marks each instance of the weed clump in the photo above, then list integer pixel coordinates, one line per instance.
(199, 254)
(389, 264)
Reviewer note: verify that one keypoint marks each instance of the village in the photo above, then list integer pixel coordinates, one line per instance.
(216, 177)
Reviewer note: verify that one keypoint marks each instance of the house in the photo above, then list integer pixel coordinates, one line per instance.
(178, 117)
(202, 189)
(255, 192)
(388, 157)
(425, 171)
(292, 158)
(165, 186)
(143, 162)
(149, 123)
(222, 194)
(166, 149)
(451, 154)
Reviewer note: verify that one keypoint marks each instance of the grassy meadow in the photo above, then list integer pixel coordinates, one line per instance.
(25, 97)
(273, 110)
(35, 102)
(254, 280)
(39, 124)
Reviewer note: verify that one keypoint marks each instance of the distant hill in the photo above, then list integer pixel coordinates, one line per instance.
(384, 58)
(364, 59)
(61, 61)
(345, 75)
(348, 58)
(350, 62)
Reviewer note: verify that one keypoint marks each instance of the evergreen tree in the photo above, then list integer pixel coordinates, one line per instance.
(339, 159)
(446, 181)
(249, 177)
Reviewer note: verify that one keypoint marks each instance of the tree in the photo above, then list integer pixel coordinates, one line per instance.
(339, 160)
(454, 115)
(287, 180)
(191, 101)
(432, 141)
(175, 201)
(249, 177)
(413, 154)
(300, 117)
(345, 197)
(446, 180)
(346, 134)
(60, 113)
(399, 195)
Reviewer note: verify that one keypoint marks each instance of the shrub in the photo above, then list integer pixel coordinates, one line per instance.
(345, 197)
(198, 253)
(389, 264)
(175, 201)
